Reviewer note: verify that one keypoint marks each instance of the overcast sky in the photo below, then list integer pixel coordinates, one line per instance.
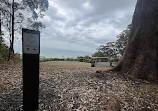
(80, 26)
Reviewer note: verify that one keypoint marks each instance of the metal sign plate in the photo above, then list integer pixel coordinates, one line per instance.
(30, 42)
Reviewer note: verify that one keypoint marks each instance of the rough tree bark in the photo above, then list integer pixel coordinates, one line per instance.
(140, 59)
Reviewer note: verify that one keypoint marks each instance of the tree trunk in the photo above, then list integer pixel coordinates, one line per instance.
(11, 48)
(140, 58)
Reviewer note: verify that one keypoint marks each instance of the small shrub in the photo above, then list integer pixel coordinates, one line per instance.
(17, 58)
(1, 59)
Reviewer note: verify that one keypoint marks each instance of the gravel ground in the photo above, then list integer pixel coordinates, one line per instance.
(74, 86)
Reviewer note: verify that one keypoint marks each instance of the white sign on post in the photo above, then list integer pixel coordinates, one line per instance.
(30, 43)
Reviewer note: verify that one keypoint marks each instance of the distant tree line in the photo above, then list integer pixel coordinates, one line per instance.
(114, 50)
(79, 59)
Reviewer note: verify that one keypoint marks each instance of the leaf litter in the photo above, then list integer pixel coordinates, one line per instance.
(74, 86)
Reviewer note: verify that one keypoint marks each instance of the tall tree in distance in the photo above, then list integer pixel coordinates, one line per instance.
(14, 19)
(109, 50)
(140, 59)
(11, 48)
(114, 49)
(122, 40)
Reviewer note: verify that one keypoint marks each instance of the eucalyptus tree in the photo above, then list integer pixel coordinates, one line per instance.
(17, 14)
(122, 40)
(109, 50)
(140, 58)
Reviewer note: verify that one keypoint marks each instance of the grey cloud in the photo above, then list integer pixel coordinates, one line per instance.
(68, 22)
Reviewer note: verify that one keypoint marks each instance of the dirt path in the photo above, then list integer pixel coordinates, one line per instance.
(74, 86)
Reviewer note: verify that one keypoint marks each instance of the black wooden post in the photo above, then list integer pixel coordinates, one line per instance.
(31, 55)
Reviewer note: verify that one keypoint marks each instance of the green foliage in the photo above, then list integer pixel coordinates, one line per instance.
(37, 25)
(87, 57)
(3, 51)
(112, 60)
(41, 5)
(79, 58)
(98, 54)
(107, 50)
(13, 16)
(52, 59)
(122, 40)
(114, 49)
(1, 58)
(70, 59)
(17, 58)
(1, 33)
